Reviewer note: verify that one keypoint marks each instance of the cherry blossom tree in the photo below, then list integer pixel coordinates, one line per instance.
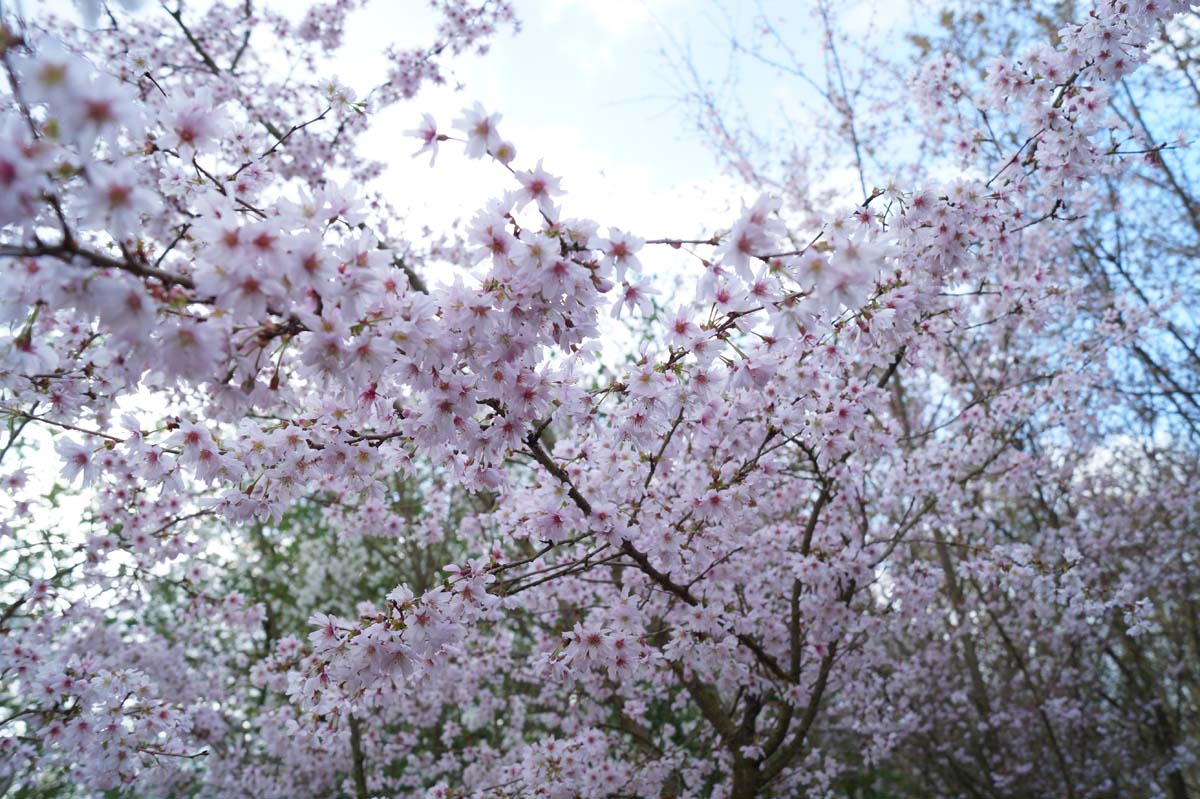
(855, 520)
(1129, 252)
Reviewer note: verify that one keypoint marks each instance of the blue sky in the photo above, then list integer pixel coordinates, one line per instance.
(588, 85)
(583, 85)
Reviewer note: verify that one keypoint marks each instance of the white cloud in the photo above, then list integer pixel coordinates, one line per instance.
(617, 18)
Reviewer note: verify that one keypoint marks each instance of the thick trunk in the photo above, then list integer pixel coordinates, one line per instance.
(747, 781)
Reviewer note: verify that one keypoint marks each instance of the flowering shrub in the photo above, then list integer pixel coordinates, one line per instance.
(353, 531)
